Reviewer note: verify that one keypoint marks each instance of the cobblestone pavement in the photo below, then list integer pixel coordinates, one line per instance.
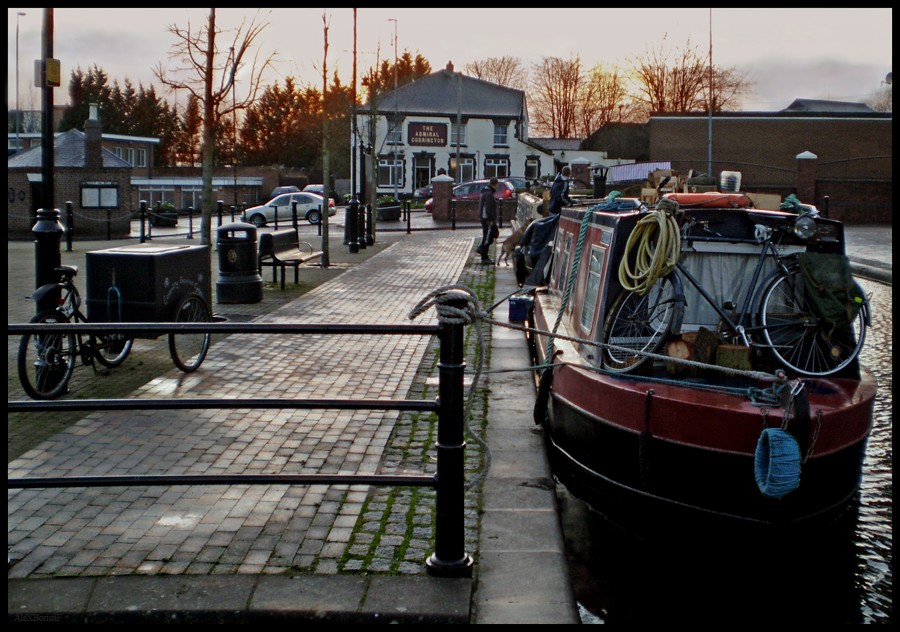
(257, 529)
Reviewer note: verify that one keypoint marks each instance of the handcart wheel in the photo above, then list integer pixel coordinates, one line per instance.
(189, 349)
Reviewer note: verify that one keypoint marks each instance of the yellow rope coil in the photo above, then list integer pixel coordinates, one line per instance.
(657, 239)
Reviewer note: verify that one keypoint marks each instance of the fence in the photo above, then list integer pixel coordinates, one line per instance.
(449, 558)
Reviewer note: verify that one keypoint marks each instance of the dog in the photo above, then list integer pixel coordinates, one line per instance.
(510, 243)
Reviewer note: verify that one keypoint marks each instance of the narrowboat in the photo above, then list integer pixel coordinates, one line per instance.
(698, 360)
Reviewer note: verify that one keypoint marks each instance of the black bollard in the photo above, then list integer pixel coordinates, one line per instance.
(70, 226)
(143, 213)
(450, 558)
(351, 225)
(361, 239)
(220, 206)
(47, 257)
(370, 224)
(190, 222)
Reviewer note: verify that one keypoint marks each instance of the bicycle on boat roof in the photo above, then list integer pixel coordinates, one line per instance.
(775, 314)
(46, 361)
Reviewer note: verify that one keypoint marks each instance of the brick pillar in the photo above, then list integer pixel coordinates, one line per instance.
(442, 191)
(807, 164)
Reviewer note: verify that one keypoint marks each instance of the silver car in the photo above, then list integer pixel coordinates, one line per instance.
(309, 207)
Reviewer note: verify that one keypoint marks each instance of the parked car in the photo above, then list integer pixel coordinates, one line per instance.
(309, 207)
(520, 183)
(472, 191)
(286, 189)
(315, 188)
(423, 192)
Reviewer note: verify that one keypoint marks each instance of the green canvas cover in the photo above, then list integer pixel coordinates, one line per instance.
(830, 288)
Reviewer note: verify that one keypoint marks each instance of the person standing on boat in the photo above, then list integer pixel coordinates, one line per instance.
(559, 191)
(487, 212)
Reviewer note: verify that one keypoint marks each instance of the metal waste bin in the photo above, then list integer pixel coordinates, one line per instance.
(239, 280)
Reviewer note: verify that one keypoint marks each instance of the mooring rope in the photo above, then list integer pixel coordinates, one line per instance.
(446, 299)
(471, 313)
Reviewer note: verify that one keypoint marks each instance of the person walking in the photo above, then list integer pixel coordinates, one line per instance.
(487, 212)
(559, 191)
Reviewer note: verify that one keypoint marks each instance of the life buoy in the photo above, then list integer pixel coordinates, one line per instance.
(711, 199)
(777, 463)
(542, 401)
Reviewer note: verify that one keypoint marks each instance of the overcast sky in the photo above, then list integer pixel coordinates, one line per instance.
(839, 54)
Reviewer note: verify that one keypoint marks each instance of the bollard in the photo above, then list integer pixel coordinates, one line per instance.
(406, 209)
(351, 224)
(293, 214)
(220, 205)
(449, 558)
(190, 222)
(47, 257)
(370, 223)
(361, 239)
(143, 207)
(70, 226)
(452, 214)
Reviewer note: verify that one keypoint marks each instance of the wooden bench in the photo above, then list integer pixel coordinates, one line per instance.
(283, 248)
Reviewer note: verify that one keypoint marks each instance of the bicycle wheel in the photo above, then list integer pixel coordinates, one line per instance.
(804, 343)
(188, 350)
(637, 325)
(112, 349)
(46, 361)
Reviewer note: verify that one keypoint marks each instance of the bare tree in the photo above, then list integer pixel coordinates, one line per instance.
(556, 84)
(326, 176)
(682, 80)
(505, 71)
(600, 99)
(199, 65)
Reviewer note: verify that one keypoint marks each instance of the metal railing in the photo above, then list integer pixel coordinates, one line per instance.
(449, 558)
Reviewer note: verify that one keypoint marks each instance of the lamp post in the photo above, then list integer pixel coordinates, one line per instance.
(394, 170)
(234, 131)
(18, 125)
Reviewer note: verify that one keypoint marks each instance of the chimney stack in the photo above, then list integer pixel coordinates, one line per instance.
(93, 157)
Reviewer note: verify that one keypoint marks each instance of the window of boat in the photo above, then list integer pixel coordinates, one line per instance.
(592, 289)
(565, 261)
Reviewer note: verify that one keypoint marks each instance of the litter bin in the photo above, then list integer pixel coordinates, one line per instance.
(239, 280)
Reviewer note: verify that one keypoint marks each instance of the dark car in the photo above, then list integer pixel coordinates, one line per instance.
(472, 191)
(521, 184)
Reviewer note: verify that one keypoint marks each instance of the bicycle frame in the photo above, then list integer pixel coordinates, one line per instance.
(740, 325)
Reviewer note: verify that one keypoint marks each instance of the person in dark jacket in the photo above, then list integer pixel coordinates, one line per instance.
(487, 213)
(559, 191)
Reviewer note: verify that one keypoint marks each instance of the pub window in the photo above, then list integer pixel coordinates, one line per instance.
(99, 196)
(496, 168)
(140, 158)
(457, 130)
(532, 169)
(501, 134)
(394, 133)
(390, 172)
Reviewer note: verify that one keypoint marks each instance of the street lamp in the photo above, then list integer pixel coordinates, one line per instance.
(396, 116)
(234, 131)
(18, 15)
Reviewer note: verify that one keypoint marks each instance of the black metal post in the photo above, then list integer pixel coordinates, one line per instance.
(351, 224)
(143, 207)
(406, 208)
(220, 206)
(826, 200)
(190, 222)
(293, 215)
(449, 558)
(361, 238)
(109, 224)
(47, 257)
(233, 209)
(70, 226)
(370, 223)
(452, 214)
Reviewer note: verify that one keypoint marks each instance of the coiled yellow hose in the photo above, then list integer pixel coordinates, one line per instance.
(658, 242)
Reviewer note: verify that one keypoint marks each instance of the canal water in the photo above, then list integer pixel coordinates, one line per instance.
(830, 576)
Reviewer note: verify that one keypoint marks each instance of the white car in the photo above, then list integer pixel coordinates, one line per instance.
(309, 207)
